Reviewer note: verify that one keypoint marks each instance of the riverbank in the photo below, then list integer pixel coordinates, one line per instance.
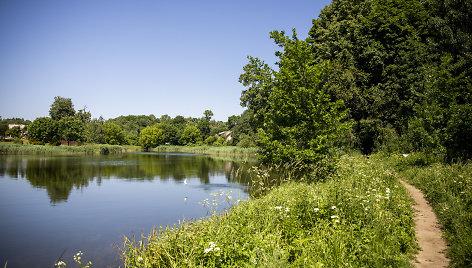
(206, 149)
(362, 217)
(88, 149)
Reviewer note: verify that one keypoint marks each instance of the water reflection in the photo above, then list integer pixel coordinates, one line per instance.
(59, 175)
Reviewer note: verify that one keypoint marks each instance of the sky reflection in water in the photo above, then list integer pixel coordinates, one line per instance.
(54, 203)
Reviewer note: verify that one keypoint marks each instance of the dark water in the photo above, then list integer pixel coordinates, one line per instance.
(54, 205)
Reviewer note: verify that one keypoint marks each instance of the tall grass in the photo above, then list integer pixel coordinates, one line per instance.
(43, 149)
(448, 187)
(207, 149)
(360, 218)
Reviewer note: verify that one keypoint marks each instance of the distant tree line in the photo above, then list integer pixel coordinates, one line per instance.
(65, 124)
(374, 75)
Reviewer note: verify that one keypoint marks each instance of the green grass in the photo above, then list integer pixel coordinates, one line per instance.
(360, 218)
(44, 149)
(448, 187)
(207, 149)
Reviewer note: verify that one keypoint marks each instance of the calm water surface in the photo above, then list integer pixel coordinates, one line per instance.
(57, 205)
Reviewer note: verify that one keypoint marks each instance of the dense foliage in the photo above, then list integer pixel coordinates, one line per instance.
(61, 107)
(44, 130)
(401, 68)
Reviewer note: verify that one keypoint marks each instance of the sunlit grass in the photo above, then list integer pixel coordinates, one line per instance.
(44, 149)
(360, 218)
(448, 187)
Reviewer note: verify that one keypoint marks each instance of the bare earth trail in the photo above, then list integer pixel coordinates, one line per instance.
(432, 246)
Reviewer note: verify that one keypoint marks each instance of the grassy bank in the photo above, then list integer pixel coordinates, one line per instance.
(360, 218)
(449, 189)
(43, 149)
(206, 149)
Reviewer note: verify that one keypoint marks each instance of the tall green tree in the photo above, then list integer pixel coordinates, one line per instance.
(300, 121)
(114, 135)
(44, 130)
(72, 128)
(61, 107)
(151, 137)
(95, 131)
(204, 124)
(191, 135)
(379, 49)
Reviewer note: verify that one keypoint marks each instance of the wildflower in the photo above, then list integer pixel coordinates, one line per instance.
(317, 209)
(287, 209)
(211, 248)
(78, 256)
(334, 216)
(229, 197)
(140, 259)
(59, 264)
(333, 207)
(279, 208)
(336, 221)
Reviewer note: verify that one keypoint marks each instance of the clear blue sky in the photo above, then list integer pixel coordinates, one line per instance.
(122, 57)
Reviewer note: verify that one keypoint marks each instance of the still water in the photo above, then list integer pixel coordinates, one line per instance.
(59, 205)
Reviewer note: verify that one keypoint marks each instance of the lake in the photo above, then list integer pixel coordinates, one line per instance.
(58, 205)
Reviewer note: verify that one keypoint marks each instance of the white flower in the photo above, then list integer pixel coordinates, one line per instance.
(229, 197)
(333, 207)
(140, 259)
(207, 250)
(317, 209)
(334, 216)
(287, 209)
(216, 249)
(279, 208)
(59, 264)
(336, 221)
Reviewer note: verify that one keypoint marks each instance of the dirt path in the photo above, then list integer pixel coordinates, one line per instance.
(432, 245)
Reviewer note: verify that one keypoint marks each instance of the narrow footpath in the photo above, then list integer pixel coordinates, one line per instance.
(432, 245)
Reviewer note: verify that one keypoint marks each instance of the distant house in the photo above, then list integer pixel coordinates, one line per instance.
(10, 126)
(226, 135)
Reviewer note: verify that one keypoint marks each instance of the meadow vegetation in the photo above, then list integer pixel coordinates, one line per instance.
(448, 187)
(362, 217)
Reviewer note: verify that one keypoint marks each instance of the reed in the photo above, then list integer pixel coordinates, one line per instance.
(44, 149)
(206, 149)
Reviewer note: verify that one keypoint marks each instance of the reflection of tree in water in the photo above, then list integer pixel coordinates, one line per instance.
(60, 174)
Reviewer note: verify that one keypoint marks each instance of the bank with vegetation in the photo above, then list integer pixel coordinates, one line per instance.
(7, 148)
(362, 217)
